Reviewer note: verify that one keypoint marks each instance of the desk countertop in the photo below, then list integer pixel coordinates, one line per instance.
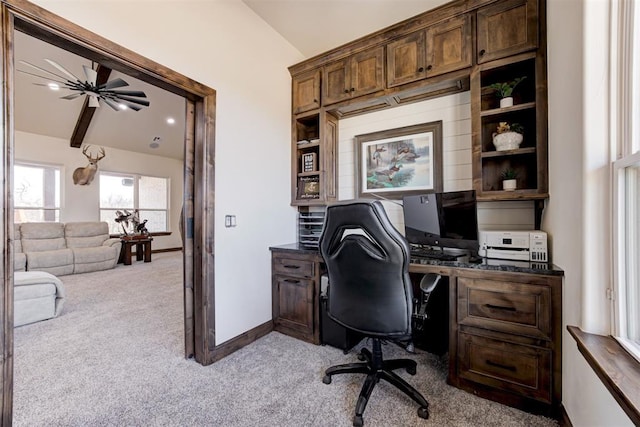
(479, 264)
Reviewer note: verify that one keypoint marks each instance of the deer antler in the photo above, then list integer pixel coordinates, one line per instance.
(90, 157)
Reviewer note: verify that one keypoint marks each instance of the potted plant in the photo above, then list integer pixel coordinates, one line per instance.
(508, 136)
(509, 182)
(505, 90)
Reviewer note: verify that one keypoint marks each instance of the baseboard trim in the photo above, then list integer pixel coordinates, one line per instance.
(564, 420)
(235, 344)
(157, 251)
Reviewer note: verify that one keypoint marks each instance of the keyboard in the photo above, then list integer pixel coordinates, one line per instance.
(417, 252)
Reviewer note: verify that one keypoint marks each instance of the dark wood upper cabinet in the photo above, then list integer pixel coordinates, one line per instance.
(438, 49)
(406, 59)
(360, 74)
(449, 46)
(306, 91)
(506, 28)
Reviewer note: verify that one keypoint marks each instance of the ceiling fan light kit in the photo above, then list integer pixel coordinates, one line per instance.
(116, 99)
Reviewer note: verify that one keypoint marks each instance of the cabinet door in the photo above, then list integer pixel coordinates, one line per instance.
(294, 304)
(406, 59)
(449, 46)
(337, 82)
(506, 28)
(367, 71)
(306, 91)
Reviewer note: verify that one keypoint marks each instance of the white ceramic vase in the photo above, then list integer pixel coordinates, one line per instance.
(509, 184)
(507, 140)
(506, 102)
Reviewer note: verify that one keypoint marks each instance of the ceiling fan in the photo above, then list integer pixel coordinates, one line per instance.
(116, 99)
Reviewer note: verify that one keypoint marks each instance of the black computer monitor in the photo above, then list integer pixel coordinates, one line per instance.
(445, 220)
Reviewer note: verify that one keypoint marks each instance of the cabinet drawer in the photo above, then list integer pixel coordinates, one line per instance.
(521, 369)
(293, 267)
(516, 308)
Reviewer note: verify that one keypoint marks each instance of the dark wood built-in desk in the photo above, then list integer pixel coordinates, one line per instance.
(143, 249)
(505, 322)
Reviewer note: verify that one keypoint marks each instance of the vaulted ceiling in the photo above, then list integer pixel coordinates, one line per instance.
(40, 110)
(311, 26)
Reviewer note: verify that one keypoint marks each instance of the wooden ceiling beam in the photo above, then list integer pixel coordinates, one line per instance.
(86, 114)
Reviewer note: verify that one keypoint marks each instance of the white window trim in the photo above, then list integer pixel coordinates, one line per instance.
(61, 170)
(624, 103)
(136, 198)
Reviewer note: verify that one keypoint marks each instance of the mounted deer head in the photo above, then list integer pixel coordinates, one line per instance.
(84, 176)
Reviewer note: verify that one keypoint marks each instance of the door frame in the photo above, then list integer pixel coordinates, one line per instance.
(199, 163)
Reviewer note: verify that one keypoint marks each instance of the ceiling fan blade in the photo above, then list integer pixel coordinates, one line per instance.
(134, 100)
(127, 92)
(42, 70)
(111, 103)
(128, 104)
(113, 84)
(71, 96)
(92, 75)
(63, 70)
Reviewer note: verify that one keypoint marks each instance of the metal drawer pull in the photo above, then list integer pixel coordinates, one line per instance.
(291, 281)
(498, 365)
(295, 267)
(500, 307)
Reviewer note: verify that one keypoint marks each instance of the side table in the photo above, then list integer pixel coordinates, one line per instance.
(143, 249)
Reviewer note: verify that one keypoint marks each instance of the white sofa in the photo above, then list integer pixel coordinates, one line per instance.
(37, 295)
(60, 249)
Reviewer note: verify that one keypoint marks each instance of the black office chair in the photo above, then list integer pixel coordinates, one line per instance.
(369, 292)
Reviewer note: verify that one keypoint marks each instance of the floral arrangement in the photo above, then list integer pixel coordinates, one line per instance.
(506, 89)
(504, 127)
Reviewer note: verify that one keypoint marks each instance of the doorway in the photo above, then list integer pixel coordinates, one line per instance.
(198, 201)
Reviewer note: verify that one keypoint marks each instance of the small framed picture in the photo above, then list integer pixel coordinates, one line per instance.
(309, 187)
(309, 162)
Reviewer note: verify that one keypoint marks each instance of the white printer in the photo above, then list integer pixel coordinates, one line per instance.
(514, 245)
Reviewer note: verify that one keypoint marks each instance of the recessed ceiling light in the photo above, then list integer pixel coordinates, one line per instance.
(171, 120)
(122, 106)
(54, 86)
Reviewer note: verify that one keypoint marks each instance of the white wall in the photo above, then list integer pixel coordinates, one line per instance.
(577, 213)
(224, 45)
(455, 113)
(82, 202)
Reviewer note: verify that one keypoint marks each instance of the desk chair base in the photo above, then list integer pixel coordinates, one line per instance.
(376, 368)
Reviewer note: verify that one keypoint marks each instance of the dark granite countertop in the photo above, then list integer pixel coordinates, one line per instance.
(463, 262)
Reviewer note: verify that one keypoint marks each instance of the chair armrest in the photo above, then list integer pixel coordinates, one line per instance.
(110, 242)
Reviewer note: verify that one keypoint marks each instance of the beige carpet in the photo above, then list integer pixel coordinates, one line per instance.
(115, 357)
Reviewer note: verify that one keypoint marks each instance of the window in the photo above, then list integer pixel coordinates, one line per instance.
(36, 190)
(150, 195)
(626, 181)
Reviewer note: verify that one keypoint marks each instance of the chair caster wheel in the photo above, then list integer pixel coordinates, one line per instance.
(357, 421)
(411, 370)
(326, 379)
(423, 412)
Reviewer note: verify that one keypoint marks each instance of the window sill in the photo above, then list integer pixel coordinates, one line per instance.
(617, 369)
